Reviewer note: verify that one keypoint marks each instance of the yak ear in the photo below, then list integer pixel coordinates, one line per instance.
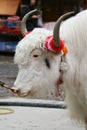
(64, 66)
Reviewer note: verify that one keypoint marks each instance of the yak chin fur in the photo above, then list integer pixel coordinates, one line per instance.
(74, 32)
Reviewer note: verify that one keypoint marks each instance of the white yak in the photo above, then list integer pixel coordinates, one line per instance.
(43, 60)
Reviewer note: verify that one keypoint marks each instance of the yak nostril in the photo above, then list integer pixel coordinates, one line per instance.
(21, 92)
(15, 90)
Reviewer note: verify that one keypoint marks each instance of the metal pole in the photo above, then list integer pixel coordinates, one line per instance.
(30, 104)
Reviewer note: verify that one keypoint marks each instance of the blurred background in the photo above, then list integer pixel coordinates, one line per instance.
(11, 12)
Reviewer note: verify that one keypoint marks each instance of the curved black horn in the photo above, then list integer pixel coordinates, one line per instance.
(57, 27)
(23, 22)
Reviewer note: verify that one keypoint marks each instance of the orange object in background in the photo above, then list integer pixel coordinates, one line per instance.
(9, 7)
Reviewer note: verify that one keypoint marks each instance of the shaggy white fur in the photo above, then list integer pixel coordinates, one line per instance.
(73, 31)
(34, 76)
(32, 70)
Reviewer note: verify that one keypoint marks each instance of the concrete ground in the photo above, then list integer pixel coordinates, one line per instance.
(8, 73)
(35, 118)
(27, 118)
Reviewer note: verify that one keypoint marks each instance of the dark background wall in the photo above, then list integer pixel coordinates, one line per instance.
(52, 9)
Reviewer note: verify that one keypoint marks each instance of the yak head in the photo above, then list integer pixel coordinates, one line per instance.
(39, 66)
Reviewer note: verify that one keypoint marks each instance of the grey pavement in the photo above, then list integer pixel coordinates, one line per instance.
(35, 118)
(8, 73)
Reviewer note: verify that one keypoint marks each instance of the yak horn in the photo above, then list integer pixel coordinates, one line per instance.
(23, 22)
(57, 27)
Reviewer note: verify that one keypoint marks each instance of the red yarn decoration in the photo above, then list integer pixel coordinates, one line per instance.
(50, 45)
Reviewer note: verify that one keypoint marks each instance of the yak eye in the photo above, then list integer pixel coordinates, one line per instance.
(35, 56)
(36, 53)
